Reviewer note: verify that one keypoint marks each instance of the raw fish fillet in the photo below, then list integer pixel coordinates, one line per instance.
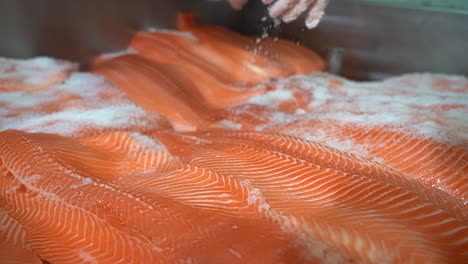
(13, 247)
(189, 75)
(191, 148)
(201, 59)
(415, 124)
(88, 199)
(218, 87)
(160, 89)
(259, 55)
(219, 196)
(84, 104)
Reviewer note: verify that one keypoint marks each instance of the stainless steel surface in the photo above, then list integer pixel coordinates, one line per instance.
(380, 40)
(364, 39)
(77, 30)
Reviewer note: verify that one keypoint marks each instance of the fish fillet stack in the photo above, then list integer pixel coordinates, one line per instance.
(205, 146)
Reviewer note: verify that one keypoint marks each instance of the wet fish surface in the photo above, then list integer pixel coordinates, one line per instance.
(197, 146)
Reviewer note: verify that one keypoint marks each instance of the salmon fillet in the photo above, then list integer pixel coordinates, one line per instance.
(160, 90)
(195, 146)
(84, 104)
(414, 124)
(142, 197)
(229, 69)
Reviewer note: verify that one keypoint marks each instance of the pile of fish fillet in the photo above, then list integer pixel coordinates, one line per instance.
(205, 146)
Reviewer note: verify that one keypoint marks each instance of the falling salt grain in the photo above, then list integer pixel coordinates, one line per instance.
(235, 253)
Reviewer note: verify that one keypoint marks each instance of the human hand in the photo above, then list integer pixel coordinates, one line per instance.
(290, 10)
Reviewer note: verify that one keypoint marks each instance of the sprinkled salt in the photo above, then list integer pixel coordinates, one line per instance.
(271, 97)
(415, 102)
(34, 73)
(148, 142)
(83, 101)
(230, 124)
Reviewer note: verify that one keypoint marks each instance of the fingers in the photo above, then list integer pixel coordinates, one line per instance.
(280, 7)
(290, 10)
(315, 13)
(297, 10)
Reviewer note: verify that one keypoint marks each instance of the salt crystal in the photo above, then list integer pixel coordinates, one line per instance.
(148, 142)
(271, 97)
(230, 124)
(92, 103)
(407, 103)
